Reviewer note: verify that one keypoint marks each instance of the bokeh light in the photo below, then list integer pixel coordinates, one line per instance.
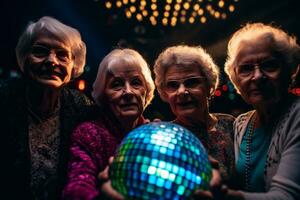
(185, 11)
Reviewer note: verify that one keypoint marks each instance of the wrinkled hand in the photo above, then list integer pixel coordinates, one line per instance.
(105, 184)
(147, 121)
(217, 190)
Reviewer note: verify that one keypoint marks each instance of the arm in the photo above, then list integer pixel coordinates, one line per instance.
(83, 165)
(285, 180)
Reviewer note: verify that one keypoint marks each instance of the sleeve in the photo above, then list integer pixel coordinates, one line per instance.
(285, 183)
(84, 164)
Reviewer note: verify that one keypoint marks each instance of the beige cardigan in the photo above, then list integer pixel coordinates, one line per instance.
(282, 168)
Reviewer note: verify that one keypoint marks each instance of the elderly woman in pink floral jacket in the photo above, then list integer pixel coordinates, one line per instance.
(123, 88)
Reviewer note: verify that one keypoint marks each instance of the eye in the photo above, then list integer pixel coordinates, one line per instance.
(136, 82)
(116, 84)
(172, 85)
(63, 54)
(193, 82)
(270, 66)
(245, 69)
(40, 51)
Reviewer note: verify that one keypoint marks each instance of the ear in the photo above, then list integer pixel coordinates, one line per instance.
(73, 73)
(295, 73)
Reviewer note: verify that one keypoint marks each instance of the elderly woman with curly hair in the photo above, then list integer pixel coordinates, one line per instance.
(39, 111)
(262, 63)
(186, 77)
(123, 89)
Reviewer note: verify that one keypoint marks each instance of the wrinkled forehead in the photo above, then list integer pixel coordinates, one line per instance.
(182, 70)
(51, 39)
(254, 50)
(121, 67)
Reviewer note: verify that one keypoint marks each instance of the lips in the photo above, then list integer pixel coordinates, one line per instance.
(51, 74)
(256, 91)
(128, 105)
(186, 103)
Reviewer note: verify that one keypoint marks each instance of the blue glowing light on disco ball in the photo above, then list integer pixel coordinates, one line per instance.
(160, 160)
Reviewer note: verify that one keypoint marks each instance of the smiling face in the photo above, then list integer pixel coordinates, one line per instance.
(265, 83)
(49, 62)
(125, 92)
(186, 91)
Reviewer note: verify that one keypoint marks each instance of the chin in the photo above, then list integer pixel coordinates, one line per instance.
(52, 83)
(131, 114)
(187, 113)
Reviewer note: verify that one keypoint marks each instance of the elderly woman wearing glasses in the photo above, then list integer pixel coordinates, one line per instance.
(262, 62)
(38, 111)
(186, 77)
(123, 89)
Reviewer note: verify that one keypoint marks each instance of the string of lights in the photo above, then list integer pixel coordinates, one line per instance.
(172, 12)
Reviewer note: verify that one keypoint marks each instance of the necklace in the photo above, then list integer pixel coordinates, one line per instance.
(248, 152)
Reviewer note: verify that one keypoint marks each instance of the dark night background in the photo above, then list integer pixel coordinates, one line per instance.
(102, 30)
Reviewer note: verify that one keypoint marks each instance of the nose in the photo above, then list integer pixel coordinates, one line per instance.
(52, 59)
(127, 89)
(257, 74)
(181, 89)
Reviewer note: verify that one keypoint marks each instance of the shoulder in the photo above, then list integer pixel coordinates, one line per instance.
(224, 117)
(89, 127)
(224, 121)
(89, 131)
(76, 97)
(290, 120)
(243, 117)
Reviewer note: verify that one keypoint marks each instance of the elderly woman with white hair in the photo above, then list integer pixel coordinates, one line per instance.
(262, 63)
(38, 111)
(123, 89)
(186, 77)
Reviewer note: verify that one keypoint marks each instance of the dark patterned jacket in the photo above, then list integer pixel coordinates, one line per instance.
(15, 153)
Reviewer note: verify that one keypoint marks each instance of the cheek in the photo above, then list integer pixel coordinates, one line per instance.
(112, 96)
(141, 96)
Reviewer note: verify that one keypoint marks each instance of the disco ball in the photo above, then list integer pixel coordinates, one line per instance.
(160, 160)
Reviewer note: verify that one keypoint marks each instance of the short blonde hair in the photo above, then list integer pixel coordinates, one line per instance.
(281, 42)
(129, 57)
(62, 32)
(183, 55)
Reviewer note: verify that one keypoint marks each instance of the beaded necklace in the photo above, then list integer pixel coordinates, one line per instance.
(248, 152)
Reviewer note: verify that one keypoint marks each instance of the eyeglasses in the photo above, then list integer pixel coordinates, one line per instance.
(63, 55)
(269, 68)
(193, 83)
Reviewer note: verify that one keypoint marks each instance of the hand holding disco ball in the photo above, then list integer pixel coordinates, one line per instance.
(160, 160)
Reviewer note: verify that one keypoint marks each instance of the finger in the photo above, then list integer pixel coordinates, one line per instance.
(103, 176)
(110, 160)
(107, 189)
(202, 194)
(156, 120)
(147, 121)
(216, 179)
(214, 163)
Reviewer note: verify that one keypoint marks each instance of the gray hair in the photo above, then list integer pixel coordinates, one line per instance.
(131, 58)
(183, 55)
(62, 32)
(281, 43)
